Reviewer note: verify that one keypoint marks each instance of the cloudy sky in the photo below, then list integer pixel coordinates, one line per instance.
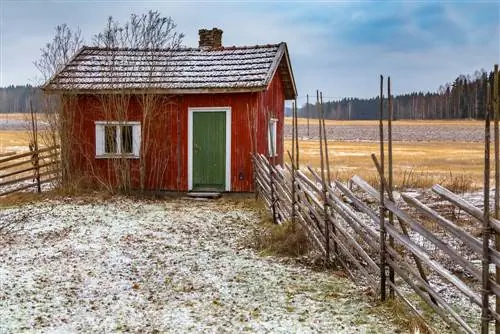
(339, 47)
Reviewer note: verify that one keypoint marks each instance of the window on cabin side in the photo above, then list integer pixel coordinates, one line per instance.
(117, 139)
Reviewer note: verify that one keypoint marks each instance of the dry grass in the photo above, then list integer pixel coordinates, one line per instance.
(416, 165)
(13, 141)
(20, 116)
(287, 239)
(451, 123)
(402, 317)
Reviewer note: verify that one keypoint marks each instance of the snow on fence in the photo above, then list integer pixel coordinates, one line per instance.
(29, 170)
(434, 260)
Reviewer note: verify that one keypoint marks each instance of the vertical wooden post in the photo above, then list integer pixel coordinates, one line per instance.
(327, 159)
(496, 117)
(485, 293)
(325, 208)
(294, 112)
(307, 109)
(35, 157)
(297, 136)
(382, 205)
(389, 167)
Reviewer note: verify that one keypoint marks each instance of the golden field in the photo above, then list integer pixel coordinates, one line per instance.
(414, 164)
(421, 157)
(458, 164)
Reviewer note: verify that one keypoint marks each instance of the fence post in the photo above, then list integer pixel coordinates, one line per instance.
(485, 293)
(382, 205)
(327, 159)
(389, 167)
(325, 205)
(496, 106)
(292, 158)
(35, 157)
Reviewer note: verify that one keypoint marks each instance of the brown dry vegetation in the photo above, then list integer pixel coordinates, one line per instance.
(13, 140)
(425, 152)
(456, 164)
(21, 116)
(416, 165)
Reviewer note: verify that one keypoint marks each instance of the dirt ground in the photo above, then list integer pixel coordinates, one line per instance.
(144, 266)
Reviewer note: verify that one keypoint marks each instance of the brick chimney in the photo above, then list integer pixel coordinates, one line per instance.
(210, 39)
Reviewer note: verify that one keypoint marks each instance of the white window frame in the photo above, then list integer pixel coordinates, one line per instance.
(272, 133)
(100, 140)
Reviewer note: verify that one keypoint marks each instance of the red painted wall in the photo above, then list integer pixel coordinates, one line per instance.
(166, 135)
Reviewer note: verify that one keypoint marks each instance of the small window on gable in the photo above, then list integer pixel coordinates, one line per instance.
(271, 137)
(117, 139)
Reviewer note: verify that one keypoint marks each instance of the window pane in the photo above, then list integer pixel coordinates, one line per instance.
(127, 139)
(110, 139)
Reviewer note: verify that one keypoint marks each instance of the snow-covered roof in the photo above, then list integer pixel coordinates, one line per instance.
(186, 70)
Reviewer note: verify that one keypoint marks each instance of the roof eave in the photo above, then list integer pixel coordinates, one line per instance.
(282, 52)
(175, 91)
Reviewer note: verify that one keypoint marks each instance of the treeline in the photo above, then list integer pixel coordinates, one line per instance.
(461, 99)
(16, 99)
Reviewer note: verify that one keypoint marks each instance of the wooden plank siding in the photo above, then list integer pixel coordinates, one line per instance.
(166, 168)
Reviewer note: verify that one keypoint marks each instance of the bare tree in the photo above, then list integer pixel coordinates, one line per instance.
(146, 31)
(57, 52)
(53, 56)
(153, 36)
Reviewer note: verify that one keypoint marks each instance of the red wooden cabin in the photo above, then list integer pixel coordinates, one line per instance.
(175, 119)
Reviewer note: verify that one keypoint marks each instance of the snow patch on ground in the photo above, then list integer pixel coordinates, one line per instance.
(167, 266)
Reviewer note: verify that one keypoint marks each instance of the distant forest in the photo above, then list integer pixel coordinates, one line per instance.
(463, 98)
(16, 99)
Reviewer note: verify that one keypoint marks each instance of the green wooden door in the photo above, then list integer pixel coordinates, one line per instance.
(209, 151)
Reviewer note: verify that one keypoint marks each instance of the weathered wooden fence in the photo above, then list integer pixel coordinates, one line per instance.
(424, 258)
(29, 170)
(394, 240)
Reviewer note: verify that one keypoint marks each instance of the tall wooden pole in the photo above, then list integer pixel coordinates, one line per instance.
(485, 293)
(297, 136)
(307, 109)
(35, 157)
(294, 111)
(390, 185)
(325, 208)
(327, 159)
(382, 205)
(496, 118)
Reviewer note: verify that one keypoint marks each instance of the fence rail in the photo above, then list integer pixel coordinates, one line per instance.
(29, 170)
(424, 259)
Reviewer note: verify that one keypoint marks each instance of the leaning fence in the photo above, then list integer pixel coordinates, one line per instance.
(29, 170)
(425, 259)
(399, 242)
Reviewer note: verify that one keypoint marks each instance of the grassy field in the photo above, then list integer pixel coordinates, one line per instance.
(13, 141)
(457, 163)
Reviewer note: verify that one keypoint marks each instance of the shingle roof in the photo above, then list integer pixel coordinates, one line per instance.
(226, 69)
